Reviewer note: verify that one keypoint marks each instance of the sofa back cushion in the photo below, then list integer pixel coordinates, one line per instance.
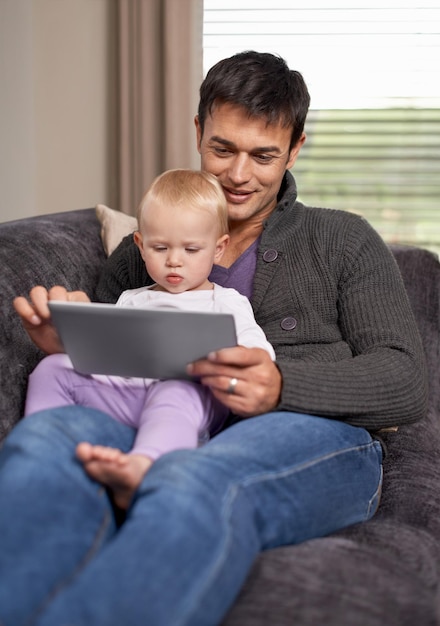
(59, 249)
(66, 249)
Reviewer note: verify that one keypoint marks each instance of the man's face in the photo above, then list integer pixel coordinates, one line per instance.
(249, 158)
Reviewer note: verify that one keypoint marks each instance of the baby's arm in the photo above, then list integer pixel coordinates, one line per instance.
(249, 333)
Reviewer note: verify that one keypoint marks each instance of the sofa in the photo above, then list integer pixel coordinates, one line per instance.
(385, 572)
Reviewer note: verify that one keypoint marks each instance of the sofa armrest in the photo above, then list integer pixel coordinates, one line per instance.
(420, 271)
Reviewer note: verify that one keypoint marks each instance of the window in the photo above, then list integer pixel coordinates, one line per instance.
(373, 131)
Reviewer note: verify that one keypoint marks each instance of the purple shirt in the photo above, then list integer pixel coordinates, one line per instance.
(240, 275)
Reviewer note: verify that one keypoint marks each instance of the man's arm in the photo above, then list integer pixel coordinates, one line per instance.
(371, 374)
(380, 379)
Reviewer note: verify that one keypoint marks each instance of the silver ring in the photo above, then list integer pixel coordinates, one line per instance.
(232, 384)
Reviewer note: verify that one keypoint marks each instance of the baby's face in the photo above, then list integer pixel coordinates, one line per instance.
(179, 246)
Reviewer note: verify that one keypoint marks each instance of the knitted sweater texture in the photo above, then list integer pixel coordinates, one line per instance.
(330, 298)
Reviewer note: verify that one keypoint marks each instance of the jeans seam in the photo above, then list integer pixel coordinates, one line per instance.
(306, 465)
(228, 501)
(78, 568)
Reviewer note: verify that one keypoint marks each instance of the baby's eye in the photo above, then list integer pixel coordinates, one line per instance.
(192, 250)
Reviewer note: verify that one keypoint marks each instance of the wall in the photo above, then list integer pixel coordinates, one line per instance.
(57, 113)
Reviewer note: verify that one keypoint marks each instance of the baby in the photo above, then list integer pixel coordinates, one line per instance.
(183, 231)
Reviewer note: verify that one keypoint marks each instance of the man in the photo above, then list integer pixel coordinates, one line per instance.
(299, 462)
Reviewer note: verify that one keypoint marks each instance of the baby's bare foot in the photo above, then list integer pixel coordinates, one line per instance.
(121, 473)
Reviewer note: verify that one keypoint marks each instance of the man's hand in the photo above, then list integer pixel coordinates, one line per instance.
(35, 315)
(259, 381)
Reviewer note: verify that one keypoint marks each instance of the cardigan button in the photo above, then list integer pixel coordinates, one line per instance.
(270, 255)
(288, 323)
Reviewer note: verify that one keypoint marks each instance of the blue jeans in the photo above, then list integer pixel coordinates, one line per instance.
(198, 521)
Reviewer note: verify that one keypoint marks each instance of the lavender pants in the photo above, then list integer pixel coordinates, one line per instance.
(168, 414)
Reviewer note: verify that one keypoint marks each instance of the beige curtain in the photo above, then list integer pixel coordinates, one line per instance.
(160, 70)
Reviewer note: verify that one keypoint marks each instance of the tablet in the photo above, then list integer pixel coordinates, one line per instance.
(146, 343)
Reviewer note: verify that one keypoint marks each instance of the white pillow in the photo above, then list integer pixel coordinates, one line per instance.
(114, 226)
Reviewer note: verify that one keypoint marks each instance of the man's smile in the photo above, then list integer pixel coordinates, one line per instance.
(236, 195)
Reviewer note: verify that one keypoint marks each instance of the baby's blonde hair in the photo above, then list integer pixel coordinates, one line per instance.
(188, 189)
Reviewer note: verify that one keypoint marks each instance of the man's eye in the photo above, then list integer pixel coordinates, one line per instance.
(222, 151)
(263, 158)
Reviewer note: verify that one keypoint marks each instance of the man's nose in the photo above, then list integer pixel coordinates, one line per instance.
(240, 169)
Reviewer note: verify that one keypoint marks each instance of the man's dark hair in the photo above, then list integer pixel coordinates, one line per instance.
(263, 84)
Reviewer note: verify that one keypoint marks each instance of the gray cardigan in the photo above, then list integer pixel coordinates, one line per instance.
(330, 298)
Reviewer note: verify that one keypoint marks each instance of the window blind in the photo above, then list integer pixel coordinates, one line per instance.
(373, 131)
